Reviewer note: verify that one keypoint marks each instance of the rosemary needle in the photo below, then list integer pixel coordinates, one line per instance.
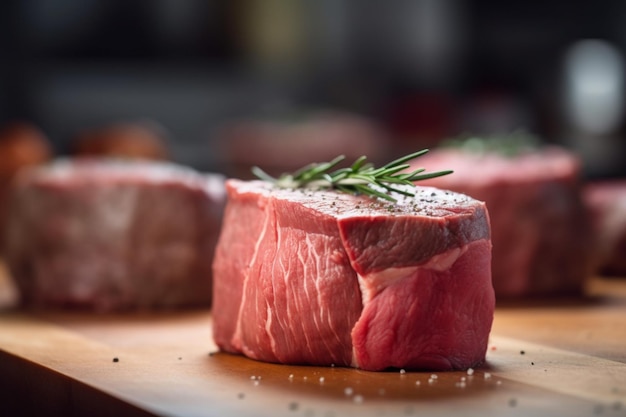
(360, 178)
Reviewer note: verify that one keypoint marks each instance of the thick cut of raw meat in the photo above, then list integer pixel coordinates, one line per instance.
(110, 235)
(606, 200)
(539, 224)
(326, 278)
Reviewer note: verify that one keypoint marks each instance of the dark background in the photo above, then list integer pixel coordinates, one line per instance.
(425, 69)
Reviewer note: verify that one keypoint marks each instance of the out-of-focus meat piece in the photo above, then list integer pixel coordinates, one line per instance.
(540, 228)
(123, 140)
(284, 146)
(326, 278)
(607, 206)
(113, 235)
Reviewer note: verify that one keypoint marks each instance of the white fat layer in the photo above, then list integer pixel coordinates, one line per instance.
(268, 326)
(444, 261)
(374, 283)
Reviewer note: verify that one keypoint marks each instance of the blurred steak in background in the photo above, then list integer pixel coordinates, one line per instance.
(113, 235)
(607, 204)
(540, 227)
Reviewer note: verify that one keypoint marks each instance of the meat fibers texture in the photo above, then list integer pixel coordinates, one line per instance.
(325, 278)
(540, 227)
(109, 235)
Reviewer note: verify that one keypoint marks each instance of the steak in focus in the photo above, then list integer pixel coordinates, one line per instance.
(325, 278)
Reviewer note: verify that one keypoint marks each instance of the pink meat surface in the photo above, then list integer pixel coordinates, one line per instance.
(606, 200)
(325, 278)
(539, 224)
(106, 235)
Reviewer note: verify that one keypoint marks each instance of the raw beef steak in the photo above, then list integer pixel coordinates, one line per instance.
(606, 200)
(540, 229)
(326, 278)
(111, 235)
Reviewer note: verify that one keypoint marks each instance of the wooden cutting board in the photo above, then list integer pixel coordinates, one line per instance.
(557, 358)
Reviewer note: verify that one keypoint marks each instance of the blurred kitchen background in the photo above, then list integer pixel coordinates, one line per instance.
(419, 71)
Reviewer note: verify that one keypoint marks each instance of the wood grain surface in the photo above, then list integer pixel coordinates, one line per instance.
(564, 357)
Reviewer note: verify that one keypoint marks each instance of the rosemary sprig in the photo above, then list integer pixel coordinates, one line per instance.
(360, 178)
